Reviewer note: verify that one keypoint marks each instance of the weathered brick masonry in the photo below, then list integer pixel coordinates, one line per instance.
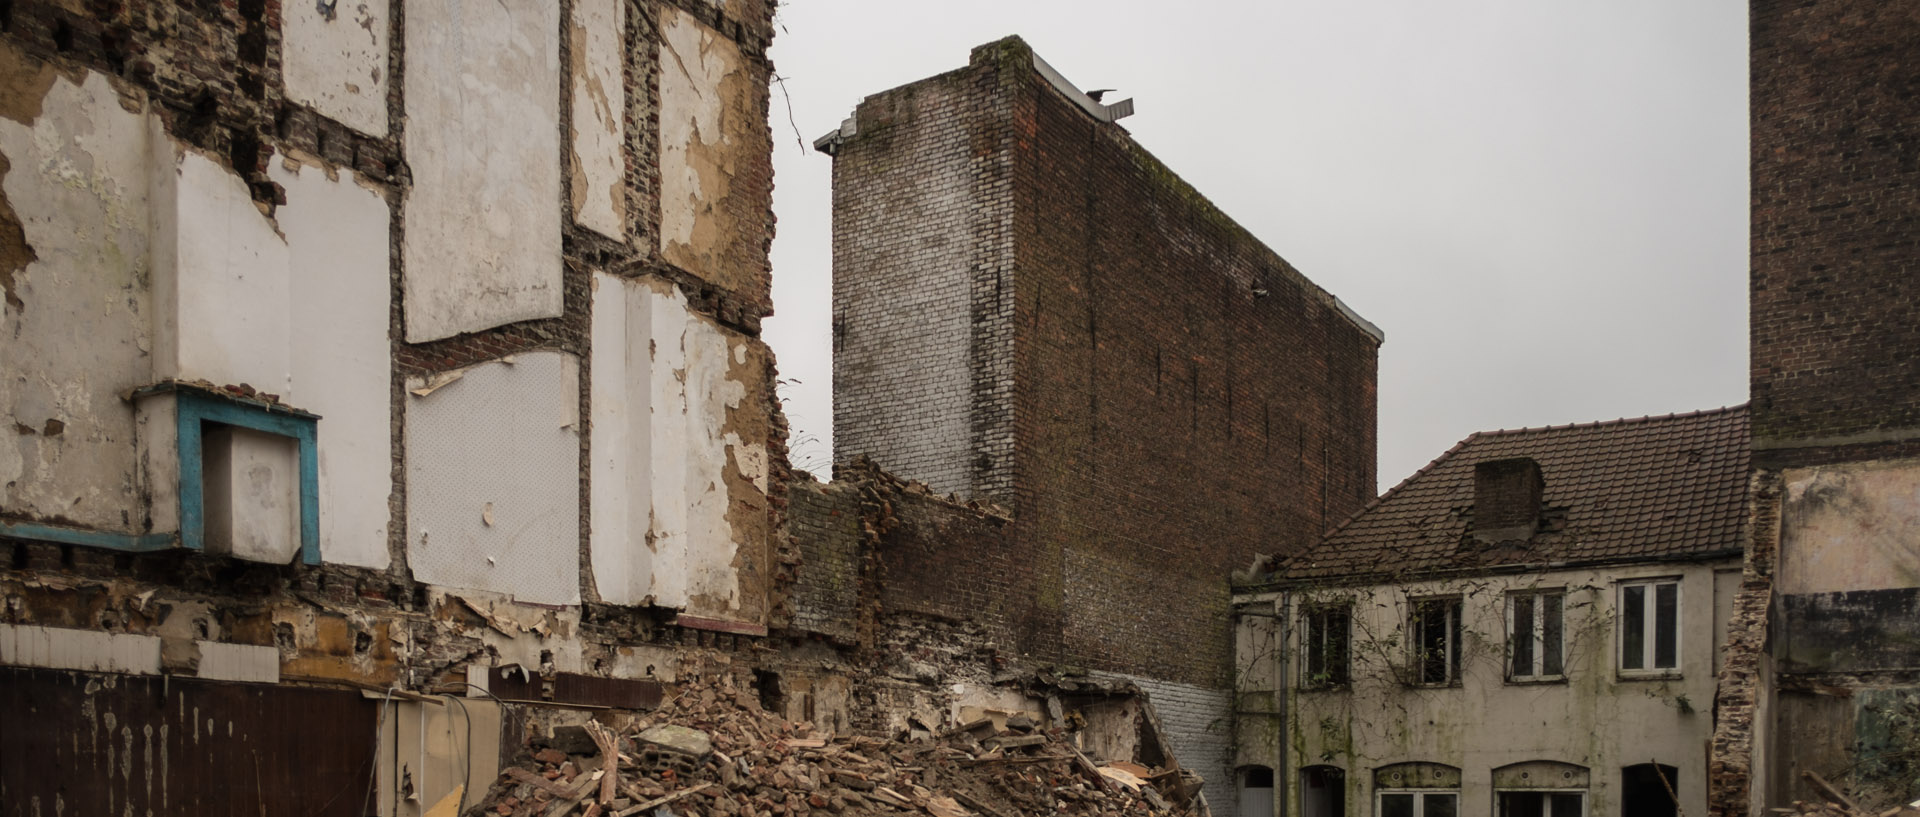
(1029, 307)
(1819, 675)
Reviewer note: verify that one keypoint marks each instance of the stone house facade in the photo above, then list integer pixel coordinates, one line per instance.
(1529, 625)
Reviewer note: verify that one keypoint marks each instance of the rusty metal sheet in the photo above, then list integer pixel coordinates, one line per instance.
(514, 683)
(90, 743)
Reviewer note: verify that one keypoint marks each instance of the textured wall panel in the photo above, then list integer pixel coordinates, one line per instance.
(493, 479)
(482, 244)
(597, 164)
(334, 55)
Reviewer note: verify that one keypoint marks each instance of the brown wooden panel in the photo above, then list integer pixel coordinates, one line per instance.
(87, 743)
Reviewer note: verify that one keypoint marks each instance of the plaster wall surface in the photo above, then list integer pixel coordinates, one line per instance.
(252, 495)
(222, 278)
(620, 442)
(482, 245)
(1850, 527)
(715, 177)
(597, 164)
(336, 229)
(705, 423)
(334, 59)
(1594, 717)
(493, 463)
(76, 317)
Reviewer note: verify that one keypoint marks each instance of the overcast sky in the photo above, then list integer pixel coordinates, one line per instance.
(1543, 203)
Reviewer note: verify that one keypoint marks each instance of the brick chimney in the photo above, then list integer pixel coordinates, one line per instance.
(1506, 500)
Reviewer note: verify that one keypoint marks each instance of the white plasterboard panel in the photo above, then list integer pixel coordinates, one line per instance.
(238, 662)
(493, 464)
(619, 443)
(334, 58)
(482, 241)
(337, 234)
(228, 316)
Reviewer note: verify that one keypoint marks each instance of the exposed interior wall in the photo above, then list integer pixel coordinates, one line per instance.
(483, 121)
(493, 469)
(716, 171)
(1595, 718)
(1851, 527)
(334, 58)
(336, 228)
(913, 212)
(596, 163)
(681, 475)
(74, 241)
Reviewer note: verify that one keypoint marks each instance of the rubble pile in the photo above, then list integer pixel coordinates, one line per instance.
(712, 751)
(1834, 803)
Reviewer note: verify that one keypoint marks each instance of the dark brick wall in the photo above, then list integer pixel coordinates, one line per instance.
(1177, 397)
(1836, 221)
(826, 526)
(1171, 419)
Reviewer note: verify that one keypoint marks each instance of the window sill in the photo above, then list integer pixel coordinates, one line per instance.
(1540, 680)
(1649, 675)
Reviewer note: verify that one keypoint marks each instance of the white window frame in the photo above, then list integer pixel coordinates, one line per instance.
(1649, 628)
(1585, 801)
(1419, 800)
(1534, 675)
(1455, 630)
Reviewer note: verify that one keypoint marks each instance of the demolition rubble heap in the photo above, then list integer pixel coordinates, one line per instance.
(712, 751)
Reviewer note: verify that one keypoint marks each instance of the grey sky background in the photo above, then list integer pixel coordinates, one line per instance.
(1543, 203)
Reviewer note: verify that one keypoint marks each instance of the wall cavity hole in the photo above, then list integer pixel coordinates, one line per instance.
(362, 642)
(63, 36)
(772, 698)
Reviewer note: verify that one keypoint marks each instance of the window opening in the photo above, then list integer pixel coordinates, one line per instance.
(1326, 662)
(1649, 790)
(1650, 627)
(1436, 641)
(1323, 792)
(1536, 636)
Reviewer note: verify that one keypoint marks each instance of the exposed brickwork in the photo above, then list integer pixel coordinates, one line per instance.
(1176, 397)
(826, 525)
(1836, 221)
(1740, 699)
(1199, 722)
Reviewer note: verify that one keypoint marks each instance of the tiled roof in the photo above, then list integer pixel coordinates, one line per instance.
(1651, 488)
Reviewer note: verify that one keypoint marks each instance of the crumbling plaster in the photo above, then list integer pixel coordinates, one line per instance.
(680, 486)
(597, 163)
(334, 58)
(75, 325)
(1594, 718)
(713, 134)
(1850, 527)
(482, 242)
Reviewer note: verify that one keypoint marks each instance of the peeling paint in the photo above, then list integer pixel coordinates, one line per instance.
(336, 61)
(1850, 527)
(74, 326)
(712, 134)
(596, 159)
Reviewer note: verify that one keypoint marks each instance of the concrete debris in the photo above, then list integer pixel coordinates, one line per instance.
(712, 751)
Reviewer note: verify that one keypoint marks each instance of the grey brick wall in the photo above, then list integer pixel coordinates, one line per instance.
(922, 296)
(1199, 724)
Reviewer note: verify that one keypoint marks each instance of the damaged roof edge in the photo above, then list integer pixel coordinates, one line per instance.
(1367, 326)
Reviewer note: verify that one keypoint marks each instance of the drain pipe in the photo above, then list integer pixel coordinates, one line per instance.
(1283, 775)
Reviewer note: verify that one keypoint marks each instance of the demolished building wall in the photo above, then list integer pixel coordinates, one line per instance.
(303, 337)
(1032, 310)
(1824, 680)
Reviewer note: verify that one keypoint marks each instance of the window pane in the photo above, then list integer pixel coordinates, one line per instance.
(1432, 634)
(1520, 642)
(1666, 626)
(1396, 805)
(1520, 804)
(1441, 805)
(1566, 805)
(1633, 627)
(1552, 653)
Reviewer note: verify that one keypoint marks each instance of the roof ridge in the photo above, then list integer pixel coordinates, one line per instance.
(1649, 418)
